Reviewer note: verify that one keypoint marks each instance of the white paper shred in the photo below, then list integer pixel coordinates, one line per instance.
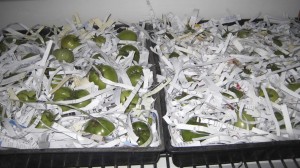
(37, 74)
(222, 77)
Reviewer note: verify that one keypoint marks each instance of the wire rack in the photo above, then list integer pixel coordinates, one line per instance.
(165, 161)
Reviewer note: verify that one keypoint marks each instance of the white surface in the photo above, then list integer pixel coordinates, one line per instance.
(49, 12)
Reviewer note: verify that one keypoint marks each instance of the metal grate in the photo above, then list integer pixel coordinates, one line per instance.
(165, 161)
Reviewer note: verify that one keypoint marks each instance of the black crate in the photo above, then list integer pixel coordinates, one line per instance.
(229, 153)
(88, 157)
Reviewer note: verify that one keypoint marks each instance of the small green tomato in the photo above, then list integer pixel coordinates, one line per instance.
(107, 72)
(64, 55)
(127, 35)
(100, 126)
(70, 42)
(134, 73)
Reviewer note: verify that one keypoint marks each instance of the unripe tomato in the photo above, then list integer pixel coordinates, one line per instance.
(124, 95)
(107, 72)
(273, 95)
(100, 126)
(127, 35)
(293, 86)
(27, 95)
(188, 135)
(47, 120)
(243, 125)
(64, 55)
(99, 40)
(70, 42)
(124, 51)
(174, 54)
(134, 73)
(79, 94)
(243, 33)
(142, 130)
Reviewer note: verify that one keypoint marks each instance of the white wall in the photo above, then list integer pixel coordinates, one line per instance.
(49, 12)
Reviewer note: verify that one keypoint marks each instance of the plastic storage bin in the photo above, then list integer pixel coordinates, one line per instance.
(88, 157)
(229, 153)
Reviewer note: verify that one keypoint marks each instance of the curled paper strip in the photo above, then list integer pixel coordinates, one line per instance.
(229, 84)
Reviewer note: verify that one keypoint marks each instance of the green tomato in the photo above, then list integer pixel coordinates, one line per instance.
(70, 42)
(124, 95)
(127, 35)
(273, 67)
(134, 73)
(64, 55)
(47, 120)
(99, 40)
(79, 94)
(66, 93)
(174, 55)
(247, 71)
(141, 130)
(27, 95)
(273, 95)
(107, 72)
(63, 93)
(277, 41)
(243, 33)
(293, 86)
(55, 80)
(239, 94)
(243, 125)
(3, 47)
(100, 126)
(124, 51)
(188, 135)
(97, 56)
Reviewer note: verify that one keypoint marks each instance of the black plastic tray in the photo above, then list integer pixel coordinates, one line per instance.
(88, 157)
(230, 153)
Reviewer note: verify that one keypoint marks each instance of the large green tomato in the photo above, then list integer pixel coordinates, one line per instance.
(277, 41)
(243, 33)
(27, 95)
(174, 55)
(239, 94)
(273, 95)
(55, 80)
(134, 73)
(79, 94)
(65, 93)
(243, 125)
(141, 130)
(70, 42)
(124, 95)
(47, 120)
(99, 40)
(124, 51)
(107, 72)
(3, 47)
(99, 126)
(293, 86)
(127, 35)
(64, 55)
(188, 135)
